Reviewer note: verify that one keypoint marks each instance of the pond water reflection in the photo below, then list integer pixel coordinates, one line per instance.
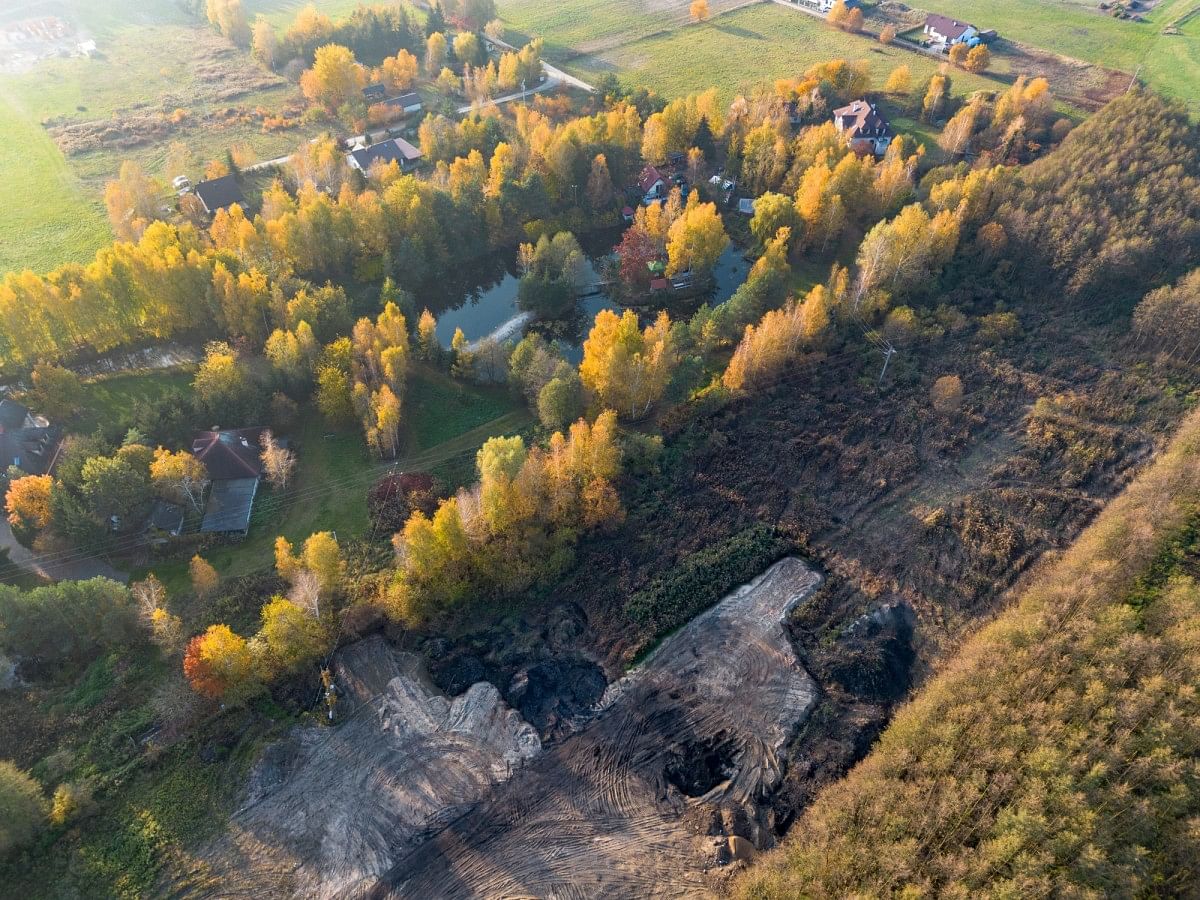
(481, 297)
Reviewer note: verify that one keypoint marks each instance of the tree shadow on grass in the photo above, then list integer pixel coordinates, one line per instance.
(739, 31)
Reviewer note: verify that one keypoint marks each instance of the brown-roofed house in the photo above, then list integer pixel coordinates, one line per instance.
(866, 130)
(234, 463)
(652, 183)
(948, 31)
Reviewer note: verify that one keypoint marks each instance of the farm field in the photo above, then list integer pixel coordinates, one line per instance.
(1170, 63)
(152, 60)
(733, 51)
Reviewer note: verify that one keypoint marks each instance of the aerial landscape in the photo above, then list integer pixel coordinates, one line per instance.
(653, 448)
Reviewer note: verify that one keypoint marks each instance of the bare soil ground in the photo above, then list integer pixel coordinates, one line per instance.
(330, 807)
(640, 801)
(643, 800)
(1082, 84)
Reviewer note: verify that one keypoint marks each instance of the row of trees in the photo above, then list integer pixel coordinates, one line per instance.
(165, 281)
(371, 32)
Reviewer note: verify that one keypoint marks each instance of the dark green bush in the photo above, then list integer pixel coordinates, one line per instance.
(704, 577)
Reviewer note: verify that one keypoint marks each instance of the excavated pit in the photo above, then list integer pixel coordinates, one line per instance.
(418, 795)
(600, 814)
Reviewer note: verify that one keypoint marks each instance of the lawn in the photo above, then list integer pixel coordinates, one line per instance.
(46, 216)
(281, 13)
(446, 423)
(112, 397)
(734, 51)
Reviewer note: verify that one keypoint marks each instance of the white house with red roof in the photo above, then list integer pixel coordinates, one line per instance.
(948, 32)
(652, 183)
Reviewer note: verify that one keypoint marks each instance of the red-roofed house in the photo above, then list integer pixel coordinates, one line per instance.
(234, 463)
(947, 31)
(866, 130)
(652, 183)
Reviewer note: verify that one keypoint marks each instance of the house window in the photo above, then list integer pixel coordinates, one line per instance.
(17, 461)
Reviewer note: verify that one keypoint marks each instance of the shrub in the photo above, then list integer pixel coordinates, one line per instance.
(946, 394)
(22, 808)
(71, 802)
(393, 498)
(704, 577)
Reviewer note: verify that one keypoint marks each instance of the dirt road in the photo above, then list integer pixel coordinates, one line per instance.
(629, 806)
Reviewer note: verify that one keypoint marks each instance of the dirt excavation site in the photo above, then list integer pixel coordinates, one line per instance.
(415, 794)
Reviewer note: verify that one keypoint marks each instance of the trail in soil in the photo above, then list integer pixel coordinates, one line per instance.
(626, 807)
(328, 807)
(419, 795)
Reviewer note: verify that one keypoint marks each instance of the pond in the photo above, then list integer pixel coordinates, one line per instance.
(481, 297)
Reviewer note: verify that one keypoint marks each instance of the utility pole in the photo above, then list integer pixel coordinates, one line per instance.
(887, 358)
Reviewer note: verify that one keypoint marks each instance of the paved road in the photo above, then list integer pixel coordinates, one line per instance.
(68, 566)
(554, 77)
(560, 75)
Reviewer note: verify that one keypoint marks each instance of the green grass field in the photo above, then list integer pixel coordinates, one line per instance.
(112, 398)
(153, 58)
(733, 52)
(737, 49)
(46, 216)
(281, 13)
(1170, 63)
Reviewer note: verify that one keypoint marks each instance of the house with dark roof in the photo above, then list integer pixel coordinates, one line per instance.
(374, 93)
(405, 103)
(219, 193)
(947, 32)
(27, 441)
(865, 129)
(233, 460)
(384, 153)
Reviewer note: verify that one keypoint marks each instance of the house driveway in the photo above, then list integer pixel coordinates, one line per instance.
(65, 566)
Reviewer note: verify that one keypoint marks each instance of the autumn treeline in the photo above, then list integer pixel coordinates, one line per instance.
(1115, 207)
(1054, 754)
(240, 275)
(979, 219)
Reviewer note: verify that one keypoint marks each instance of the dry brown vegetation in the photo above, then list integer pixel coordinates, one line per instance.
(1054, 754)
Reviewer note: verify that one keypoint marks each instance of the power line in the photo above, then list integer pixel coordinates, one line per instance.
(431, 456)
